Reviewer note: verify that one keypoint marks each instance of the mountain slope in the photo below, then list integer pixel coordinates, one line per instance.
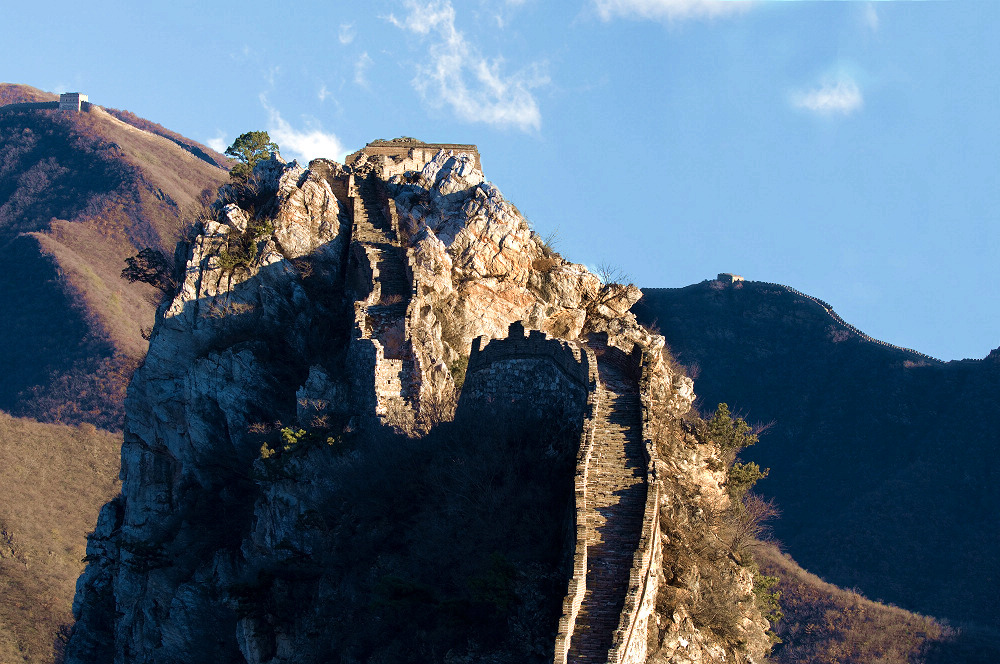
(883, 461)
(53, 479)
(79, 192)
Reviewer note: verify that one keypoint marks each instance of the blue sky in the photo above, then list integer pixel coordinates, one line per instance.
(849, 149)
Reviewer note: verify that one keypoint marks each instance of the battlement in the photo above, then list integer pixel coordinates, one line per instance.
(728, 278)
(410, 148)
(72, 101)
(536, 345)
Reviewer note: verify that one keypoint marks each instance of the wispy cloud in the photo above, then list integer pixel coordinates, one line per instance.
(871, 17)
(323, 93)
(219, 143)
(361, 67)
(670, 10)
(835, 97)
(345, 35)
(457, 75)
(302, 144)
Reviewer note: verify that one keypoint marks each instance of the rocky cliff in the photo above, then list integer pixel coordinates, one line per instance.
(381, 421)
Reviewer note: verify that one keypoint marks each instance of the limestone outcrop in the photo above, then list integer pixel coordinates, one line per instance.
(326, 321)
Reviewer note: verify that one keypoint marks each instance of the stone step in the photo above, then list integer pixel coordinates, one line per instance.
(616, 498)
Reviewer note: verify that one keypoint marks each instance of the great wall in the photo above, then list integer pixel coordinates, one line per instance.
(612, 591)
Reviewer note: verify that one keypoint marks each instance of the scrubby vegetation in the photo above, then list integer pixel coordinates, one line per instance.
(91, 191)
(828, 625)
(53, 481)
(709, 544)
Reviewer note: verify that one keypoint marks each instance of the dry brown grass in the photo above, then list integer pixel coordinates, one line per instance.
(91, 190)
(825, 624)
(53, 479)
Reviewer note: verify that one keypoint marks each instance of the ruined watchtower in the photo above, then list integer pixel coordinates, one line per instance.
(72, 101)
(399, 149)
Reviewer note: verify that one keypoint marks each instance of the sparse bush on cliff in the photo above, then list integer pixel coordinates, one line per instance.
(248, 149)
(149, 266)
(709, 537)
(730, 434)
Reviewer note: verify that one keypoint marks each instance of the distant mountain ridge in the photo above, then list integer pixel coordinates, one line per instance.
(79, 192)
(883, 459)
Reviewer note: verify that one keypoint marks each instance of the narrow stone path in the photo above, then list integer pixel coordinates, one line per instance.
(616, 497)
(385, 318)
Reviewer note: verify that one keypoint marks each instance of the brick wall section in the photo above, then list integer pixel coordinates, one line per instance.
(30, 106)
(577, 583)
(385, 373)
(632, 636)
(415, 150)
(529, 378)
(537, 345)
(835, 316)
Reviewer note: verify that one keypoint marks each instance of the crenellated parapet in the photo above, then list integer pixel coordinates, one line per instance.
(536, 345)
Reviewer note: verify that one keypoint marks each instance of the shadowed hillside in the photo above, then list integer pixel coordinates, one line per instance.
(883, 461)
(80, 192)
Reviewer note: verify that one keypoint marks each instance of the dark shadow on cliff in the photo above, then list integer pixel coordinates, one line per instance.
(399, 549)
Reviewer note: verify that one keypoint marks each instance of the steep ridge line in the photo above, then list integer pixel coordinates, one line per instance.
(616, 498)
(833, 314)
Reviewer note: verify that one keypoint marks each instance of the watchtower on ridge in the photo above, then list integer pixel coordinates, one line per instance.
(72, 101)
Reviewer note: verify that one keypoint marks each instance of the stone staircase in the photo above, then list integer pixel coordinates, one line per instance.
(384, 318)
(373, 230)
(616, 497)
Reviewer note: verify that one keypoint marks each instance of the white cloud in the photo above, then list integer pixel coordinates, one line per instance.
(345, 35)
(841, 96)
(364, 62)
(303, 145)
(323, 93)
(457, 75)
(219, 143)
(871, 17)
(670, 10)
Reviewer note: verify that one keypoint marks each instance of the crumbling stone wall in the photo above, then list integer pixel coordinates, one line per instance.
(408, 149)
(539, 376)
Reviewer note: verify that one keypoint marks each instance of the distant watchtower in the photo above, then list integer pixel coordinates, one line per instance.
(71, 101)
(727, 278)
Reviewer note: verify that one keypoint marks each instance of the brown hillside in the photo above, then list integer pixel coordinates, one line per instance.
(80, 192)
(13, 93)
(824, 624)
(60, 476)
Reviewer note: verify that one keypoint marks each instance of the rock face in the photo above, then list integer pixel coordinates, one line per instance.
(295, 444)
